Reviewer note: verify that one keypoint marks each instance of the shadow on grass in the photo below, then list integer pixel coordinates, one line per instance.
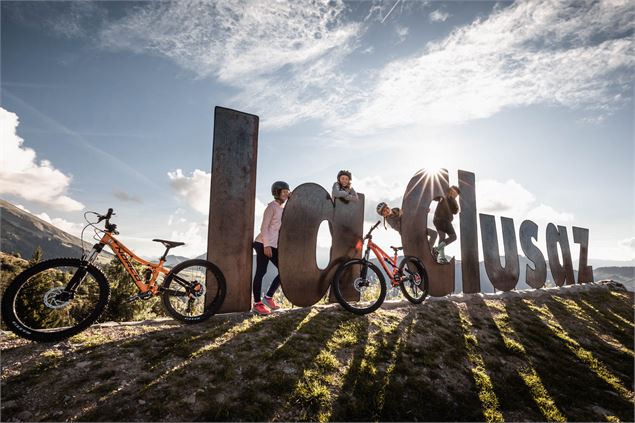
(573, 385)
(514, 397)
(278, 365)
(71, 375)
(431, 380)
(362, 394)
(604, 310)
(619, 361)
(212, 372)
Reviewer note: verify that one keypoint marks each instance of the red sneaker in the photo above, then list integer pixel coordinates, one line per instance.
(259, 308)
(271, 303)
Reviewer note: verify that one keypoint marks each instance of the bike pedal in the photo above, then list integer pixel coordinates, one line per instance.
(140, 296)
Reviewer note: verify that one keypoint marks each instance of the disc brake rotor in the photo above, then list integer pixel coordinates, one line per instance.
(52, 298)
(360, 283)
(196, 294)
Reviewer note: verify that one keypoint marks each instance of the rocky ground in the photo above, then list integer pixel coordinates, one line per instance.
(551, 354)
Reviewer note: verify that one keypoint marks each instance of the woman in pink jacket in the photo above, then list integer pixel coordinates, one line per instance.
(266, 246)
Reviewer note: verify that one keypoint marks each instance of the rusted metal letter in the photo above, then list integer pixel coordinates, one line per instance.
(562, 273)
(503, 278)
(303, 283)
(232, 203)
(348, 227)
(422, 188)
(534, 277)
(469, 236)
(581, 236)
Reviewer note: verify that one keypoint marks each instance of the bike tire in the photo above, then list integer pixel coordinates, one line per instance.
(415, 291)
(219, 288)
(348, 305)
(13, 305)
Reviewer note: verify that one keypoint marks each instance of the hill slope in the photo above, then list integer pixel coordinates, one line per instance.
(21, 232)
(545, 355)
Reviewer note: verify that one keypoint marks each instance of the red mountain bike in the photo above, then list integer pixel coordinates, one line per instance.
(58, 298)
(369, 285)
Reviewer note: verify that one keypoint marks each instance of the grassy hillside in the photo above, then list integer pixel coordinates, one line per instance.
(548, 355)
(21, 233)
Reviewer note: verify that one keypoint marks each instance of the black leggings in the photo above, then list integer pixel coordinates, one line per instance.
(262, 261)
(444, 227)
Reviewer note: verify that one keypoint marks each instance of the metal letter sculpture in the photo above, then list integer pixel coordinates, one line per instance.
(581, 236)
(231, 227)
(232, 203)
(503, 278)
(535, 278)
(303, 283)
(423, 187)
(562, 273)
(469, 235)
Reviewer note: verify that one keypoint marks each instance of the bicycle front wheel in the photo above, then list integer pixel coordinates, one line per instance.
(54, 299)
(366, 279)
(193, 291)
(414, 280)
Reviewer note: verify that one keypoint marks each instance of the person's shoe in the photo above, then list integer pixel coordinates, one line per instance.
(259, 308)
(442, 260)
(271, 303)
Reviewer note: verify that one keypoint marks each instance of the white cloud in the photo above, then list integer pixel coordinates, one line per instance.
(438, 16)
(542, 213)
(194, 189)
(503, 197)
(22, 175)
(402, 32)
(69, 227)
(511, 199)
(629, 243)
(571, 54)
(195, 237)
(63, 224)
(262, 48)
(126, 197)
(575, 54)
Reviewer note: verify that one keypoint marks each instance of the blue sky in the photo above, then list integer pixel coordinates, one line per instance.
(110, 104)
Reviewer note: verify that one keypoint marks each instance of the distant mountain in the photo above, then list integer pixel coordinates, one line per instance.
(597, 263)
(623, 275)
(21, 232)
(172, 260)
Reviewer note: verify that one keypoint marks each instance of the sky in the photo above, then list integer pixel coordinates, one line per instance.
(110, 104)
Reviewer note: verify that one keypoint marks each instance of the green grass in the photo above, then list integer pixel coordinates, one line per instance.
(537, 358)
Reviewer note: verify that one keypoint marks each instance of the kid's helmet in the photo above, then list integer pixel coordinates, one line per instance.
(380, 207)
(344, 172)
(278, 186)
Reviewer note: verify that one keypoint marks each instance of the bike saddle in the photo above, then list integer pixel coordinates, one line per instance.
(169, 244)
(396, 248)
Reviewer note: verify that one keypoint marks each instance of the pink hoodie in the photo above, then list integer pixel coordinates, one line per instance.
(271, 222)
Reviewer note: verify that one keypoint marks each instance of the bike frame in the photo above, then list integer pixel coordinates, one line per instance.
(384, 258)
(127, 257)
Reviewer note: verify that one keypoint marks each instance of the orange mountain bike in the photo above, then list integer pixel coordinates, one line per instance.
(369, 283)
(58, 298)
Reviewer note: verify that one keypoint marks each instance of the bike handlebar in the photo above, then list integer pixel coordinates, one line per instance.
(110, 227)
(372, 229)
(106, 216)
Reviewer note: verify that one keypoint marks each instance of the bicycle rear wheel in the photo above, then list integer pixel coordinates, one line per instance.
(366, 279)
(193, 291)
(414, 281)
(38, 306)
